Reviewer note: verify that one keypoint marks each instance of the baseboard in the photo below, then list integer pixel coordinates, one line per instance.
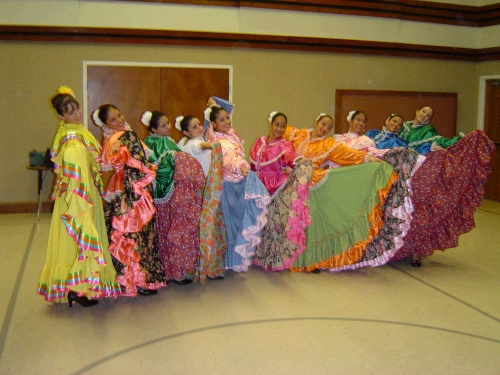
(24, 207)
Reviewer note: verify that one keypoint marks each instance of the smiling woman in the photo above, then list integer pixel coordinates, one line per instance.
(78, 264)
(129, 210)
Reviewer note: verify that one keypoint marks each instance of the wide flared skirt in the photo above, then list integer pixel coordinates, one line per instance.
(178, 220)
(447, 188)
(346, 215)
(77, 252)
(244, 206)
(284, 235)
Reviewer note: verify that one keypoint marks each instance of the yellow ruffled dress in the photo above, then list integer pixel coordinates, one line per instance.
(77, 253)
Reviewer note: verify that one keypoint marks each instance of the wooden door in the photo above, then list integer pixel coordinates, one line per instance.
(492, 129)
(184, 91)
(174, 91)
(132, 89)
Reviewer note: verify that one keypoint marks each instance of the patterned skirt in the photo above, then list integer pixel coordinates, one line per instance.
(284, 237)
(179, 220)
(447, 188)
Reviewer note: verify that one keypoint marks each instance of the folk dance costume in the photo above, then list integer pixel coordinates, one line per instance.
(130, 212)
(213, 235)
(398, 206)
(345, 205)
(283, 237)
(178, 191)
(421, 137)
(77, 254)
(385, 139)
(243, 200)
(447, 188)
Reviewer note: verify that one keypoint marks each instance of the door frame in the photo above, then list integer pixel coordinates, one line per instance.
(86, 63)
(482, 99)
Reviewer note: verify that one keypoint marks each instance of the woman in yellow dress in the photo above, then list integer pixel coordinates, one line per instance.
(78, 267)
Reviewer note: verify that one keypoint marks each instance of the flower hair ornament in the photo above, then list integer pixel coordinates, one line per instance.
(146, 118)
(271, 115)
(349, 116)
(320, 116)
(65, 90)
(393, 115)
(96, 119)
(178, 120)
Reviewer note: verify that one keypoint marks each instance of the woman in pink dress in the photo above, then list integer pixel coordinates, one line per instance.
(286, 176)
(244, 198)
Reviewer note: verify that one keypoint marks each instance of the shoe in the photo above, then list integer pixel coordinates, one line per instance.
(316, 270)
(216, 278)
(416, 262)
(146, 292)
(182, 282)
(83, 300)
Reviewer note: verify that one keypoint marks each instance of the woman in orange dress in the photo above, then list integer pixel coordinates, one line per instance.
(347, 221)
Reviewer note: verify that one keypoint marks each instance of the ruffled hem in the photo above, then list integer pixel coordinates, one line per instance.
(277, 252)
(143, 210)
(55, 283)
(447, 188)
(251, 234)
(364, 225)
(402, 225)
(244, 205)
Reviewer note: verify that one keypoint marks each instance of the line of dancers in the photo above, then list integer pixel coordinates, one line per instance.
(304, 202)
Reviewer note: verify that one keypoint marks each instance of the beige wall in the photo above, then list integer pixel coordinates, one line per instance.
(165, 16)
(297, 83)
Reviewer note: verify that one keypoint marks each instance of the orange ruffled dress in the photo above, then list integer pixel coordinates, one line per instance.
(130, 214)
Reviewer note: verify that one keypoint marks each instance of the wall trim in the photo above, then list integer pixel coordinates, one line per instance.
(24, 207)
(408, 10)
(232, 40)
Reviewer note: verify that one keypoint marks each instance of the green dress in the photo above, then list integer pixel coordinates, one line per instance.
(77, 253)
(421, 136)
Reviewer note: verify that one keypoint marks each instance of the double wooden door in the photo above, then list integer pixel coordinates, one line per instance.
(173, 90)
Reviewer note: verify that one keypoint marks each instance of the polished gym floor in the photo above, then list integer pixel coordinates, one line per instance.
(441, 318)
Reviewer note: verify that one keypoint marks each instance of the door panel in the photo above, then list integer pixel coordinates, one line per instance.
(184, 91)
(492, 129)
(132, 89)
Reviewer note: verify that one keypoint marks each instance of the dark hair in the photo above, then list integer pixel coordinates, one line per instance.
(395, 115)
(357, 113)
(215, 112)
(104, 111)
(430, 108)
(155, 119)
(62, 103)
(323, 116)
(278, 115)
(185, 122)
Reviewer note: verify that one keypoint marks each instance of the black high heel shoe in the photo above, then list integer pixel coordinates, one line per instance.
(216, 277)
(146, 292)
(84, 301)
(415, 261)
(182, 282)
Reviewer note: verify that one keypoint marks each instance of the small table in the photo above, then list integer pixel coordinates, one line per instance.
(40, 185)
